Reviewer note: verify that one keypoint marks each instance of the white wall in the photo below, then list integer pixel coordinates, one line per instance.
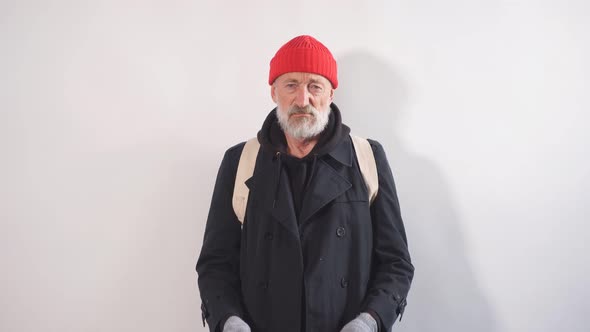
(114, 116)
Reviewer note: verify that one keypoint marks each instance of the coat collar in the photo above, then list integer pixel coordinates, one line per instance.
(343, 152)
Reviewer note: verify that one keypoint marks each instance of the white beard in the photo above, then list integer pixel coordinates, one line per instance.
(303, 127)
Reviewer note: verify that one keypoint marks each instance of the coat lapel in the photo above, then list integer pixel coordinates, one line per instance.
(324, 187)
(280, 207)
(284, 210)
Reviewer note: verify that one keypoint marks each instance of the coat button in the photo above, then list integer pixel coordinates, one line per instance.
(340, 232)
(343, 282)
(268, 235)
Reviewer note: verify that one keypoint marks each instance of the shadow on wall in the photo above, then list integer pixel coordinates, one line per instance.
(445, 296)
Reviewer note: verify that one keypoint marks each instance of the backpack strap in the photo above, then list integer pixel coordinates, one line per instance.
(367, 164)
(245, 171)
(364, 155)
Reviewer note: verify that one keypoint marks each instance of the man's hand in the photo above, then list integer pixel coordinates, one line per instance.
(363, 323)
(235, 324)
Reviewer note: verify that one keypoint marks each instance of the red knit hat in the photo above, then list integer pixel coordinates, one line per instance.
(304, 54)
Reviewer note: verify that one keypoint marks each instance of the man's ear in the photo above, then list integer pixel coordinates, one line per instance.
(273, 93)
(332, 94)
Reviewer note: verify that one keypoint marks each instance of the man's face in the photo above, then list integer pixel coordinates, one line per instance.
(303, 103)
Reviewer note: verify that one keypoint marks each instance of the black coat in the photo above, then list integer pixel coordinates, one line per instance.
(346, 256)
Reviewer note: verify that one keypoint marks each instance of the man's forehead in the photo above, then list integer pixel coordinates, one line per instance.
(302, 77)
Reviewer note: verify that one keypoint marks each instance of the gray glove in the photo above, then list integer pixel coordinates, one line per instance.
(363, 323)
(235, 324)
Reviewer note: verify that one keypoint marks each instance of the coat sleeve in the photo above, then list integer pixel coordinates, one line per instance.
(392, 270)
(218, 263)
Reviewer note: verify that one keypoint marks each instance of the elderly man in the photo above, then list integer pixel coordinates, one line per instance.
(313, 252)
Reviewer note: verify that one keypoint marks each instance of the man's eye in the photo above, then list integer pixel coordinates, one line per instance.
(315, 87)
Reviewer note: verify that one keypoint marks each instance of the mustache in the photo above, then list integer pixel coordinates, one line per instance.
(302, 110)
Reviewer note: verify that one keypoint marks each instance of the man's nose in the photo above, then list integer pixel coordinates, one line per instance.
(302, 98)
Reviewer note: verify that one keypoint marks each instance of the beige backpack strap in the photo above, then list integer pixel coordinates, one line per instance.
(245, 171)
(367, 164)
